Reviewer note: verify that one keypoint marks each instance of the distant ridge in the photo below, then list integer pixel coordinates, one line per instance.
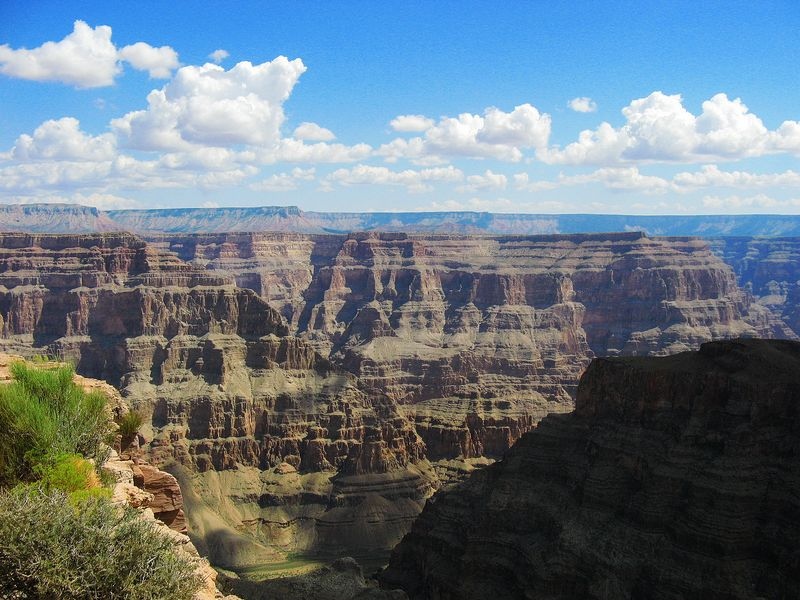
(73, 218)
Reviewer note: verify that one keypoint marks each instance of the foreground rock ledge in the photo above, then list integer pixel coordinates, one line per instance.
(674, 477)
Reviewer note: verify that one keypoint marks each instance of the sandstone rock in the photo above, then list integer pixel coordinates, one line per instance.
(674, 477)
(167, 501)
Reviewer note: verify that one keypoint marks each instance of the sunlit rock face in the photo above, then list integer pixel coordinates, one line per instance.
(675, 477)
(277, 449)
(311, 391)
(476, 337)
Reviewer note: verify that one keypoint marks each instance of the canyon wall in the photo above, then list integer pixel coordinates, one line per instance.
(675, 477)
(279, 450)
(477, 338)
(769, 269)
(311, 391)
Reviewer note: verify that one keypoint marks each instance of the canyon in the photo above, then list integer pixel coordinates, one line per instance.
(311, 391)
(675, 477)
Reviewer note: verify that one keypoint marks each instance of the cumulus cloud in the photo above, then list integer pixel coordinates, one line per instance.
(759, 202)
(63, 139)
(158, 62)
(583, 104)
(659, 129)
(284, 182)
(207, 105)
(313, 132)
(495, 134)
(414, 181)
(712, 176)
(623, 179)
(86, 58)
(219, 55)
(411, 123)
(501, 205)
(488, 181)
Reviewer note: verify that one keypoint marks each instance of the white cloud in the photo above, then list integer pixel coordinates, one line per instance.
(313, 132)
(659, 129)
(625, 179)
(284, 182)
(411, 123)
(158, 62)
(219, 55)
(495, 134)
(759, 202)
(86, 58)
(583, 104)
(291, 150)
(63, 140)
(488, 181)
(712, 176)
(413, 180)
(209, 106)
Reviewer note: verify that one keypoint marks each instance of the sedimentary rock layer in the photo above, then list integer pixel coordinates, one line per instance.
(768, 268)
(226, 389)
(675, 477)
(479, 337)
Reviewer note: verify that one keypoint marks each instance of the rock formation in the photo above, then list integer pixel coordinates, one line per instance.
(477, 338)
(317, 464)
(298, 385)
(768, 268)
(675, 477)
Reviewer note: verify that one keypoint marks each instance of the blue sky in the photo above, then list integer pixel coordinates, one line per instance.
(512, 107)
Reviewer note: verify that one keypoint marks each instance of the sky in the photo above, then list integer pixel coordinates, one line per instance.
(522, 107)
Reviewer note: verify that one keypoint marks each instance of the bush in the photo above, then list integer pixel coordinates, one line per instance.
(51, 549)
(43, 413)
(68, 473)
(129, 425)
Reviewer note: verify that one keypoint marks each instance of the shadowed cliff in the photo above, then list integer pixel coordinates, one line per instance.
(675, 477)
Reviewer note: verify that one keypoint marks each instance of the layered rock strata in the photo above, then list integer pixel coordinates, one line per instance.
(479, 337)
(316, 464)
(675, 477)
(769, 269)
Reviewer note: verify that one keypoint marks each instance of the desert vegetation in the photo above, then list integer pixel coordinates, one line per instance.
(60, 535)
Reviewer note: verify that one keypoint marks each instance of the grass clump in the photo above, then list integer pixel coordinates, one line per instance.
(51, 548)
(43, 414)
(129, 425)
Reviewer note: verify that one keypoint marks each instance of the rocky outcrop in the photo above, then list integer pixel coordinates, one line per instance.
(675, 477)
(146, 493)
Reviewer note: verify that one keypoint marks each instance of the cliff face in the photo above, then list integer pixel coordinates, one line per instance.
(674, 477)
(479, 337)
(769, 269)
(227, 389)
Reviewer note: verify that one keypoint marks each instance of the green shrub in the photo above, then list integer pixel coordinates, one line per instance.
(129, 425)
(68, 473)
(43, 413)
(50, 548)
